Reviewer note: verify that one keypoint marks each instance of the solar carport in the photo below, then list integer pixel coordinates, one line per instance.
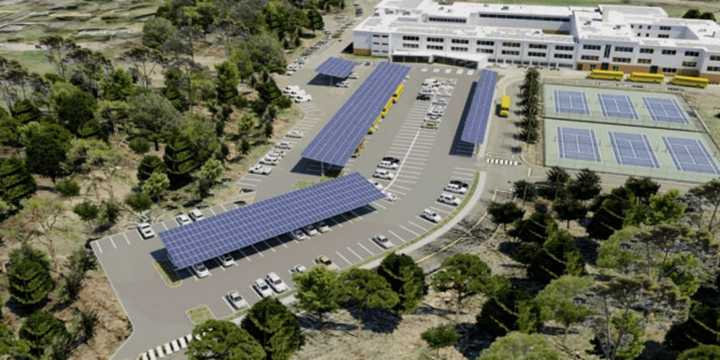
(337, 141)
(481, 103)
(336, 68)
(239, 228)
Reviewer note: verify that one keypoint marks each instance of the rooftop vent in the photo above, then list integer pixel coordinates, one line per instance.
(505, 7)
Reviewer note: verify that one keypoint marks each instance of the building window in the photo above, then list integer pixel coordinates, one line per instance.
(713, 68)
(457, 48)
(537, 46)
(485, 43)
(669, 52)
(621, 60)
(537, 54)
(623, 49)
(663, 36)
(644, 61)
(689, 64)
(460, 41)
(410, 46)
(714, 57)
(376, 43)
(511, 44)
(564, 48)
(590, 57)
(435, 39)
(485, 51)
(665, 28)
(647, 50)
(447, 19)
(669, 70)
(435, 47)
(525, 17)
(411, 38)
(563, 56)
(510, 52)
(692, 53)
(592, 47)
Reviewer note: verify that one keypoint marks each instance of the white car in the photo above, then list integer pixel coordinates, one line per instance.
(449, 199)
(302, 98)
(383, 174)
(389, 196)
(145, 230)
(378, 185)
(236, 300)
(431, 216)
(290, 89)
(226, 260)
(298, 134)
(457, 187)
(183, 219)
(342, 84)
(277, 153)
(276, 282)
(322, 227)
(353, 76)
(201, 270)
(298, 269)
(298, 235)
(196, 214)
(383, 241)
(385, 164)
(269, 160)
(326, 262)
(260, 169)
(262, 288)
(310, 230)
(285, 145)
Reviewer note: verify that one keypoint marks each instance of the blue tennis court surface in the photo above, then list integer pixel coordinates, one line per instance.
(690, 155)
(633, 149)
(618, 106)
(571, 102)
(578, 144)
(666, 110)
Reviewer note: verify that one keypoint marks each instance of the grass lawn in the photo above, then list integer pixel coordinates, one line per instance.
(199, 314)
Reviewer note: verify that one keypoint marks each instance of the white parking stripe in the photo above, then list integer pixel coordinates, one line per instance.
(396, 235)
(366, 249)
(417, 226)
(252, 179)
(440, 210)
(445, 205)
(245, 255)
(401, 187)
(354, 253)
(252, 290)
(98, 246)
(397, 192)
(464, 168)
(112, 242)
(378, 205)
(408, 230)
(342, 257)
(257, 251)
(406, 181)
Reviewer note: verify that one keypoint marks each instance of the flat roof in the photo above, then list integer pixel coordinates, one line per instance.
(339, 138)
(238, 228)
(336, 67)
(481, 103)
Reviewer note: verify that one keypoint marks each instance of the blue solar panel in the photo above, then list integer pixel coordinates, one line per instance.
(578, 144)
(336, 67)
(248, 225)
(633, 149)
(476, 119)
(337, 141)
(690, 155)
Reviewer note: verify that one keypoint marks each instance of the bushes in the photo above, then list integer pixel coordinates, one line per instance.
(68, 188)
(139, 145)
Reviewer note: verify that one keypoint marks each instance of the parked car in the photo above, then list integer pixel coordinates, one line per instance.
(298, 235)
(269, 160)
(457, 187)
(378, 185)
(298, 269)
(183, 219)
(237, 301)
(276, 282)
(385, 164)
(262, 288)
(325, 261)
(431, 216)
(145, 230)
(201, 270)
(383, 174)
(353, 76)
(310, 230)
(260, 169)
(342, 84)
(322, 227)
(383, 241)
(196, 214)
(226, 260)
(284, 145)
(290, 89)
(295, 134)
(449, 199)
(277, 153)
(389, 196)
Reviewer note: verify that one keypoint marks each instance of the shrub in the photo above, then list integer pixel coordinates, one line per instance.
(139, 201)
(68, 188)
(139, 145)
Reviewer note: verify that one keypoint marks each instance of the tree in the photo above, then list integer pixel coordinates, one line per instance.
(148, 165)
(153, 116)
(156, 185)
(536, 227)
(275, 328)
(524, 190)
(406, 279)
(143, 62)
(609, 213)
(558, 255)
(87, 211)
(84, 325)
(139, 201)
(505, 213)
(366, 290)
(463, 274)
(618, 329)
(315, 20)
(662, 208)
(585, 185)
(710, 194)
(569, 208)
(642, 188)
(702, 352)
(440, 337)
(42, 215)
(41, 330)
(118, 85)
(74, 108)
(190, 147)
(227, 79)
(13, 347)
(692, 14)
(156, 31)
(29, 277)
(16, 182)
(317, 291)
(557, 180)
(56, 50)
(46, 149)
(220, 339)
(208, 176)
(519, 346)
(79, 263)
(557, 301)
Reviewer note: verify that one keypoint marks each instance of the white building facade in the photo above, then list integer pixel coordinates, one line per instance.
(612, 37)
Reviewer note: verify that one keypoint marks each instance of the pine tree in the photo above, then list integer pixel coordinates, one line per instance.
(406, 279)
(42, 330)
(275, 328)
(16, 183)
(29, 277)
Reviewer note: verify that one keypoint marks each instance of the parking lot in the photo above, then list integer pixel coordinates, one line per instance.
(157, 301)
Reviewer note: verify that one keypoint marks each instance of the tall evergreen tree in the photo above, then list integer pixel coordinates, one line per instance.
(585, 185)
(275, 328)
(43, 331)
(226, 82)
(46, 149)
(406, 279)
(16, 183)
(29, 276)
(224, 340)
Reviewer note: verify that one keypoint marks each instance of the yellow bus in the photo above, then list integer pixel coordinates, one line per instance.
(646, 77)
(690, 81)
(504, 108)
(606, 75)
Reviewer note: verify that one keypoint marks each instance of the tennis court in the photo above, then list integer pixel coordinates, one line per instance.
(632, 149)
(690, 155)
(618, 106)
(666, 110)
(571, 102)
(578, 144)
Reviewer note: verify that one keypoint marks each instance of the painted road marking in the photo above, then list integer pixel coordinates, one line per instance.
(112, 242)
(344, 258)
(354, 253)
(417, 226)
(245, 255)
(98, 246)
(257, 251)
(366, 249)
(408, 230)
(396, 235)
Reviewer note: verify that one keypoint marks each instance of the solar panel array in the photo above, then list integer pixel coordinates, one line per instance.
(633, 149)
(578, 144)
(248, 225)
(336, 67)
(477, 117)
(690, 155)
(572, 102)
(665, 110)
(618, 106)
(337, 141)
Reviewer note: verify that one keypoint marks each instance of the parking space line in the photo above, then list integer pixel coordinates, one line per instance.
(366, 249)
(253, 179)
(225, 300)
(211, 211)
(406, 181)
(441, 210)
(445, 205)
(346, 218)
(344, 258)
(245, 255)
(408, 230)
(402, 187)
(378, 205)
(397, 192)
(98, 246)
(354, 253)
(112, 242)
(257, 251)
(163, 225)
(270, 245)
(464, 168)
(252, 290)
(396, 235)
(124, 235)
(417, 226)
